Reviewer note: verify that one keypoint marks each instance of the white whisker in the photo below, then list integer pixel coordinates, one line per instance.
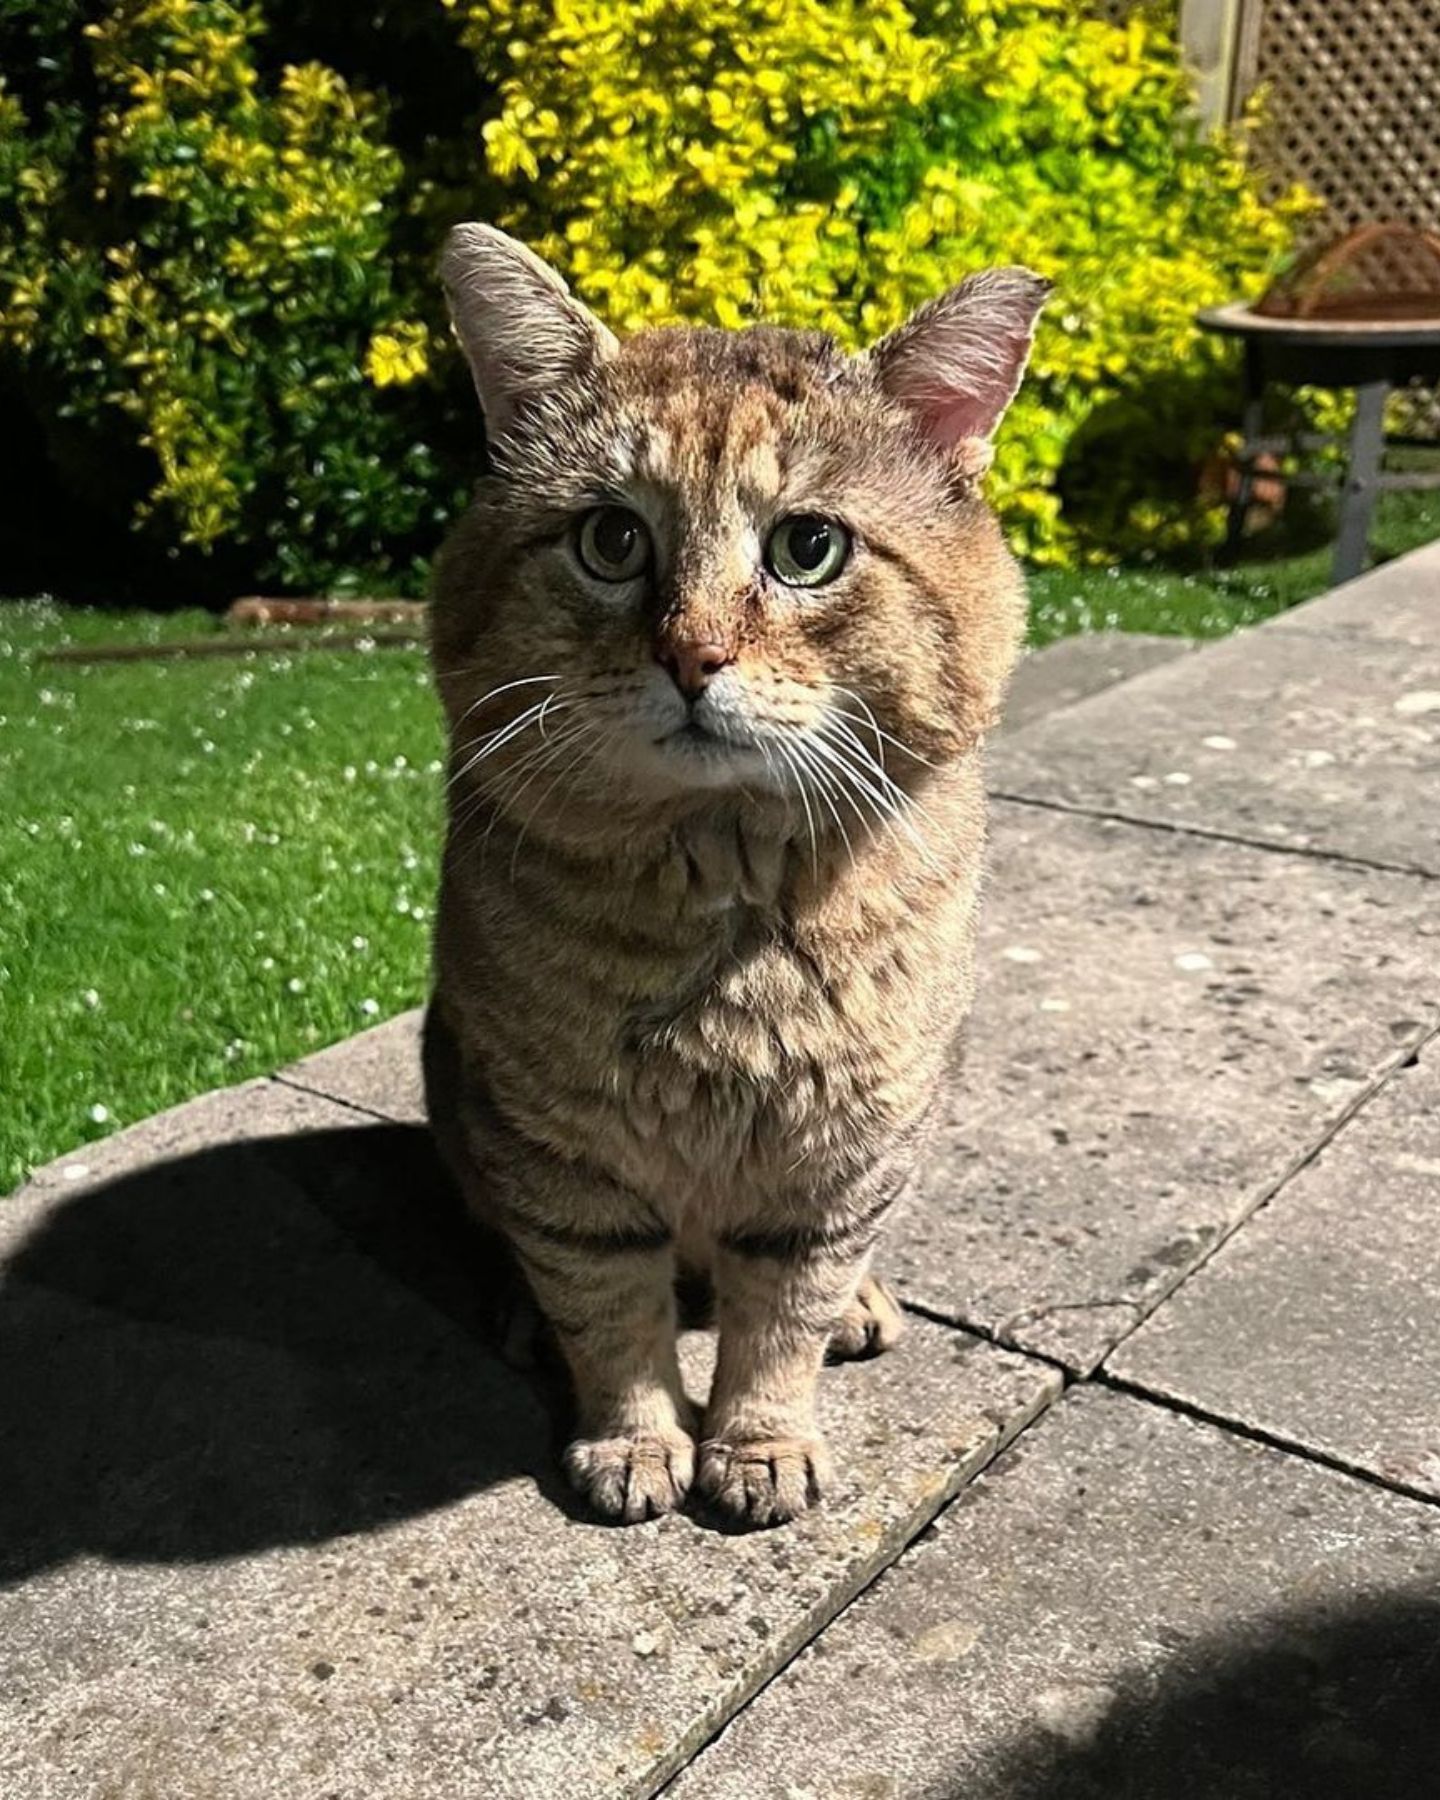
(539, 760)
(783, 750)
(825, 787)
(501, 797)
(545, 706)
(492, 741)
(849, 741)
(872, 724)
(888, 796)
(588, 733)
(851, 777)
(495, 693)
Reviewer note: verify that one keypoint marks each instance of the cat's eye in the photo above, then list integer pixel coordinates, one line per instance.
(807, 551)
(613, 543)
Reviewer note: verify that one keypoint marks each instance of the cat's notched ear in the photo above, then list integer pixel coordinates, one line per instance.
(957, 361)
(523, 332)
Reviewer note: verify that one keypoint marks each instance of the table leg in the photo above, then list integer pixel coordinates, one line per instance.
(1357, 500)
(1252, 422)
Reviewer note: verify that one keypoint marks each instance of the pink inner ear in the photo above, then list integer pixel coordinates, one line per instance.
(957, 362)
(966, 395)
(958, 417)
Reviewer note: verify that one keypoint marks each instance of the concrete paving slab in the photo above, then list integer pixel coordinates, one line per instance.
(1320, 1322)
(1166, 1027)
(378, 1070)
(274, 1521)
(1075, 667)
(1286, 738)
(251, 1110)
(1400, 600)
(1129, 1606)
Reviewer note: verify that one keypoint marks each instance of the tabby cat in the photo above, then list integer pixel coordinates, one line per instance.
(718, 642)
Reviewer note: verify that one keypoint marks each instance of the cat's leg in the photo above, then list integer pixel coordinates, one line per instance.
(871, 1324)
(601, 1267)
(762, 1459)
(613, 1311)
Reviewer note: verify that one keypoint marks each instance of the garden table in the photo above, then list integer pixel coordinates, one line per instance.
(1370, 356)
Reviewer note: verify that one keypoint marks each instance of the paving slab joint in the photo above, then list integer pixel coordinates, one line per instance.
(1257, 1434)
(823, 1620)
(1339, 858)
(317, 1093)
(974, 1329)
(1407, 1057)
(1007, 1335)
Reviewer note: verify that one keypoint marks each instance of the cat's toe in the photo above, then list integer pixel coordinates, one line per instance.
(763, 1481)
(872, 1323)
(632, 1478)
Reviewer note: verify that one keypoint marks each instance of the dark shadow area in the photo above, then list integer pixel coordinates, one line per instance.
(1324, 1703)
(1159, 451)
(65, 526)
(269, 1342)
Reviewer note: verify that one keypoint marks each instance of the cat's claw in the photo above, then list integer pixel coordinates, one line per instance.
(872, 1324)
(630, 1479)
(763, 1481)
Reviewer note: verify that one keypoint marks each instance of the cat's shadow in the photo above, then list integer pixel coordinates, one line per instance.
(275, 1341)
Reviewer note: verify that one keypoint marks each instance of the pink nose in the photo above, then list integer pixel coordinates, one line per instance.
(691, 666)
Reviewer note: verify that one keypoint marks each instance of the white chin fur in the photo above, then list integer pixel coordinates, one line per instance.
(686, 763)
(659, 753)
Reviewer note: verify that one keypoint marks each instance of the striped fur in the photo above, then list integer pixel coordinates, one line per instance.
(691, 1009)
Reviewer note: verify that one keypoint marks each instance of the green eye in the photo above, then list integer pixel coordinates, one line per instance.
(613, 543)
(807, 551)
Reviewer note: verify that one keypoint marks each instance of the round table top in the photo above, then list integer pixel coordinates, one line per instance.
(1241, 320)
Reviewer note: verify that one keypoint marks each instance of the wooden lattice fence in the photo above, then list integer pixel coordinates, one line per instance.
(1350, 97)
(1351, 92)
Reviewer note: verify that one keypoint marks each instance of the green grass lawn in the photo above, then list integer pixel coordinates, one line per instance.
(208, 868)
(1281, 568)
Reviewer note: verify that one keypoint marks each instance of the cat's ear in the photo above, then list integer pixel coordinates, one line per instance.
(957, 360)
(523, 332)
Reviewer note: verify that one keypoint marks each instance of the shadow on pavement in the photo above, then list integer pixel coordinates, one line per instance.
(270, 1342)
(1334, 1704)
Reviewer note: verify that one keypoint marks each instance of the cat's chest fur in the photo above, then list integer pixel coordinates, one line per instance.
(775, 1058)
(803, 1048)
(721, 1026)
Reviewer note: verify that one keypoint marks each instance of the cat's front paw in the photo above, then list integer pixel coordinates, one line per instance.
(632, 1478)
(763, 1481)
(870, 1325)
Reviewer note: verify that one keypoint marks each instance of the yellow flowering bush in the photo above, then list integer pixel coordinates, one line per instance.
(216, 246)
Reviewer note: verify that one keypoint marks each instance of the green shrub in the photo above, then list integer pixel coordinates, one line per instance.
(218, 248)
(233, 295)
